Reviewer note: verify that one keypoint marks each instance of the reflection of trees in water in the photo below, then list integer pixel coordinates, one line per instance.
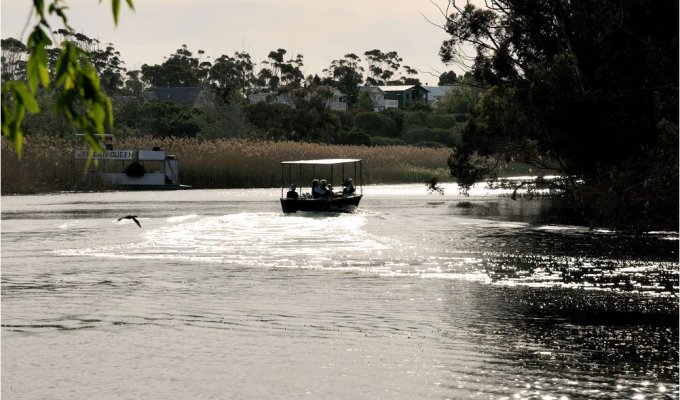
(542, 253)
(572, 341)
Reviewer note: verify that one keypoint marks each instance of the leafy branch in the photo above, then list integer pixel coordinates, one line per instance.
(81, 98)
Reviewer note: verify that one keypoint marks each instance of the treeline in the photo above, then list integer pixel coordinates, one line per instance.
(229, 79)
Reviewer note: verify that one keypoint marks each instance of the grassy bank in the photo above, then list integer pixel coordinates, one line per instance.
(48, 165)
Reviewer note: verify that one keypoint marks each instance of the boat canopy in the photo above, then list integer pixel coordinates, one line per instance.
(326, 161)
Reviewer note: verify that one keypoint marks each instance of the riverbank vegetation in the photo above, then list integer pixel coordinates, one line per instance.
(587, 88)
(48, 164)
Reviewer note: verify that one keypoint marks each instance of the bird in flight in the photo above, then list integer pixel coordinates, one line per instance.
(132, 217)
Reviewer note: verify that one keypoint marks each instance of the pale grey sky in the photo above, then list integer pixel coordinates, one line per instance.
(321, 30)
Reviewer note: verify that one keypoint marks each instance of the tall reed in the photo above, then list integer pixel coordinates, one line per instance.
(48, 165)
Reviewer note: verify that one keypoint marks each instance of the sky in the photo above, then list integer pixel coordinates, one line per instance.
(320, 30)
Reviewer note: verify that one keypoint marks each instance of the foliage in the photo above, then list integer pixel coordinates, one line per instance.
(364, 102)
(106, 61)
(80, 99)
(164, 119)
(581, 87)
(273, 120)
(375, 124)
(346, 74)
(461, 97)
(181, 69)
(395, 115)
(14, 54)
(279, 73)
(355, 137)
(433, 186)
(228, 74)
(448, 78)
(226, 120)
(384, 67)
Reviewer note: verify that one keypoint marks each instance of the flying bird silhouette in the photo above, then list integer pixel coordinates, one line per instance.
(132, 217)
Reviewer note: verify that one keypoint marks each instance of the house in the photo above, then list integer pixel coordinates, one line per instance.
(402, 95)
(268, 97)
(335, 99)
(377, 96)
(192, 97)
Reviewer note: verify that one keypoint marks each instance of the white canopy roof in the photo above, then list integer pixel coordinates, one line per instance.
(326, 161)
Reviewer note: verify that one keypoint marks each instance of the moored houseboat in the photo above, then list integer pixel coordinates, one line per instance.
(132, 169)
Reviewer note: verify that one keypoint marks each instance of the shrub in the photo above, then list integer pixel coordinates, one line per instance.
(375, 124)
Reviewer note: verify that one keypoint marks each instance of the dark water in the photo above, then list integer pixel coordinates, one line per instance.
(220, 295)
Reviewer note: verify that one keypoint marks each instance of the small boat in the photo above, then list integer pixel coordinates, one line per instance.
(132, 169)
(346, 171)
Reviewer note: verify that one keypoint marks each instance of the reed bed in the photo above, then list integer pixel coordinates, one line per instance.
(48, 165)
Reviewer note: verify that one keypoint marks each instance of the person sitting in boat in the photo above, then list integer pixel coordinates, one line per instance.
(292, 194)
(348, 187)
(316, 189)
(326, 191)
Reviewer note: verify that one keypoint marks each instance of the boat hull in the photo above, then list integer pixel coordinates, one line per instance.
(336, 204)
(169, 186)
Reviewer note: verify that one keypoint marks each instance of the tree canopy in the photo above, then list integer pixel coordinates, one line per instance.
(586, 88)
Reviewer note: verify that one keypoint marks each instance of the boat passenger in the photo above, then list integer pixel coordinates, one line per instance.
(326, 190)
(292, 194)
(348, 187)
(316, 190)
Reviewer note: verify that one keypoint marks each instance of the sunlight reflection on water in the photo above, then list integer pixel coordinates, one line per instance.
(219, 294)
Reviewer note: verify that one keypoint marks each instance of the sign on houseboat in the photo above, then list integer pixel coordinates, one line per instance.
(106, 155)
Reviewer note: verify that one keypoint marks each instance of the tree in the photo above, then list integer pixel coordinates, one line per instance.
(226, 118)
(181, 69)
(462, 97)
(106, 61)
(14, 54)
(229, 74)
(448, 78)
(80, 98)
(386, 69)
(365, 102)
(133, 84)
(166, 119)
(280, 73)
(376, 124)
(587, 88)
(346, 74)
(381, 66)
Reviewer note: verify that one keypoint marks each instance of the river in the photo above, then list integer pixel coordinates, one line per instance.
(219, 295)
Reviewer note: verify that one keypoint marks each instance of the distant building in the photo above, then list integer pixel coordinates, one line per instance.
(402, 95)
(192, 97)
(377, 96)
(268, 97)
(336, 100)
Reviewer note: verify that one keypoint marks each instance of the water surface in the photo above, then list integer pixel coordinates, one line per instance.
(416, 295)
